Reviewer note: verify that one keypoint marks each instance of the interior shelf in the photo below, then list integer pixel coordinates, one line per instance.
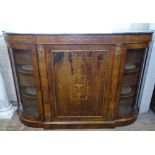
(31, 110)
(127, 92)
(26, 69)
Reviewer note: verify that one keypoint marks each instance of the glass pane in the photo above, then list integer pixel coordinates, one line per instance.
(24, 69)
(131, 80)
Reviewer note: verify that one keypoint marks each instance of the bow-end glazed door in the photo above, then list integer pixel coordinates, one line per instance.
(79, 78)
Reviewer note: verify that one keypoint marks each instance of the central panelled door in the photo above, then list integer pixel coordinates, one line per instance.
(79, 78)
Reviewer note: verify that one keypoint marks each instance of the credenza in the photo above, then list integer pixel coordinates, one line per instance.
(78, 81)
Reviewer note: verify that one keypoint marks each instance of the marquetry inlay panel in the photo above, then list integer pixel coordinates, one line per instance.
(80, 80)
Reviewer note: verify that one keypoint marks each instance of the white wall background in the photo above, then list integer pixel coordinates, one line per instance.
(6, 69)
(72, 16)
(86, 28)
(149, 77)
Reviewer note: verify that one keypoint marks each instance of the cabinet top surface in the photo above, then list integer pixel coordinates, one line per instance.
(122, 31)
(80, 38)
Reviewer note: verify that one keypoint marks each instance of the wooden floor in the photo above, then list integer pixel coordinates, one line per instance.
(144, 122)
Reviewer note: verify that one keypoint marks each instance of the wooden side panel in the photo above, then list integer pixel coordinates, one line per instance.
(81, 79)
(37, 82)
(113, 96)
(44, 83)
(117, 79)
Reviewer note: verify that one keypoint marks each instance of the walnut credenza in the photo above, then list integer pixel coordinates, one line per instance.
(74, 81)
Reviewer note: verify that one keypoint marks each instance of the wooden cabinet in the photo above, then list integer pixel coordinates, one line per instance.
(78, 81)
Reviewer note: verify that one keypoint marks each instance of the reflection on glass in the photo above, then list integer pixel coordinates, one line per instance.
(132, 69)
(24, 68)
